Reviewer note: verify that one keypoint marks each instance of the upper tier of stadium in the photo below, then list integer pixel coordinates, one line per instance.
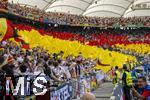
(99, 8)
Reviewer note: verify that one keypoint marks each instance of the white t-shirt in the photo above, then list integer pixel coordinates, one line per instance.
(20, 59)
(6, 55)
(66, 71)
(58, 71)
(4, 43)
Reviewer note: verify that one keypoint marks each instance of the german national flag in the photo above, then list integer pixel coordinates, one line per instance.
(7, 31)
(54, 42)
(25, 45)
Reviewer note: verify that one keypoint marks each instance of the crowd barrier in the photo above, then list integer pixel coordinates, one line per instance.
(75, 88)
(117, 93)
(63, 92)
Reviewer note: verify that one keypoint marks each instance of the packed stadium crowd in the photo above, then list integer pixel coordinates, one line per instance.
(48, 54)
(70, 19)
(71, 68)
(64, 18)
(16, 61)
(3, 4)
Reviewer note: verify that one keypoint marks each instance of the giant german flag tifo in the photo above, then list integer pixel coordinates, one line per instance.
(31, 37)
(138, 48)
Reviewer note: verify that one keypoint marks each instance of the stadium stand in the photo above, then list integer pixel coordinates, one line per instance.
(76, 52)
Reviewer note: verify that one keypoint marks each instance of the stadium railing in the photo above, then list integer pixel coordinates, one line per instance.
(117, 93)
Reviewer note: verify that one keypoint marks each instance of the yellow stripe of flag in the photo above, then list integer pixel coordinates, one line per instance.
(3, 28)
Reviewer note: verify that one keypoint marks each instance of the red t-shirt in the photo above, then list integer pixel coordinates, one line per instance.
(146, 93)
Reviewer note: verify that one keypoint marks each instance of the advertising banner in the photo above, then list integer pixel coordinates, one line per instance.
(63, 92)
